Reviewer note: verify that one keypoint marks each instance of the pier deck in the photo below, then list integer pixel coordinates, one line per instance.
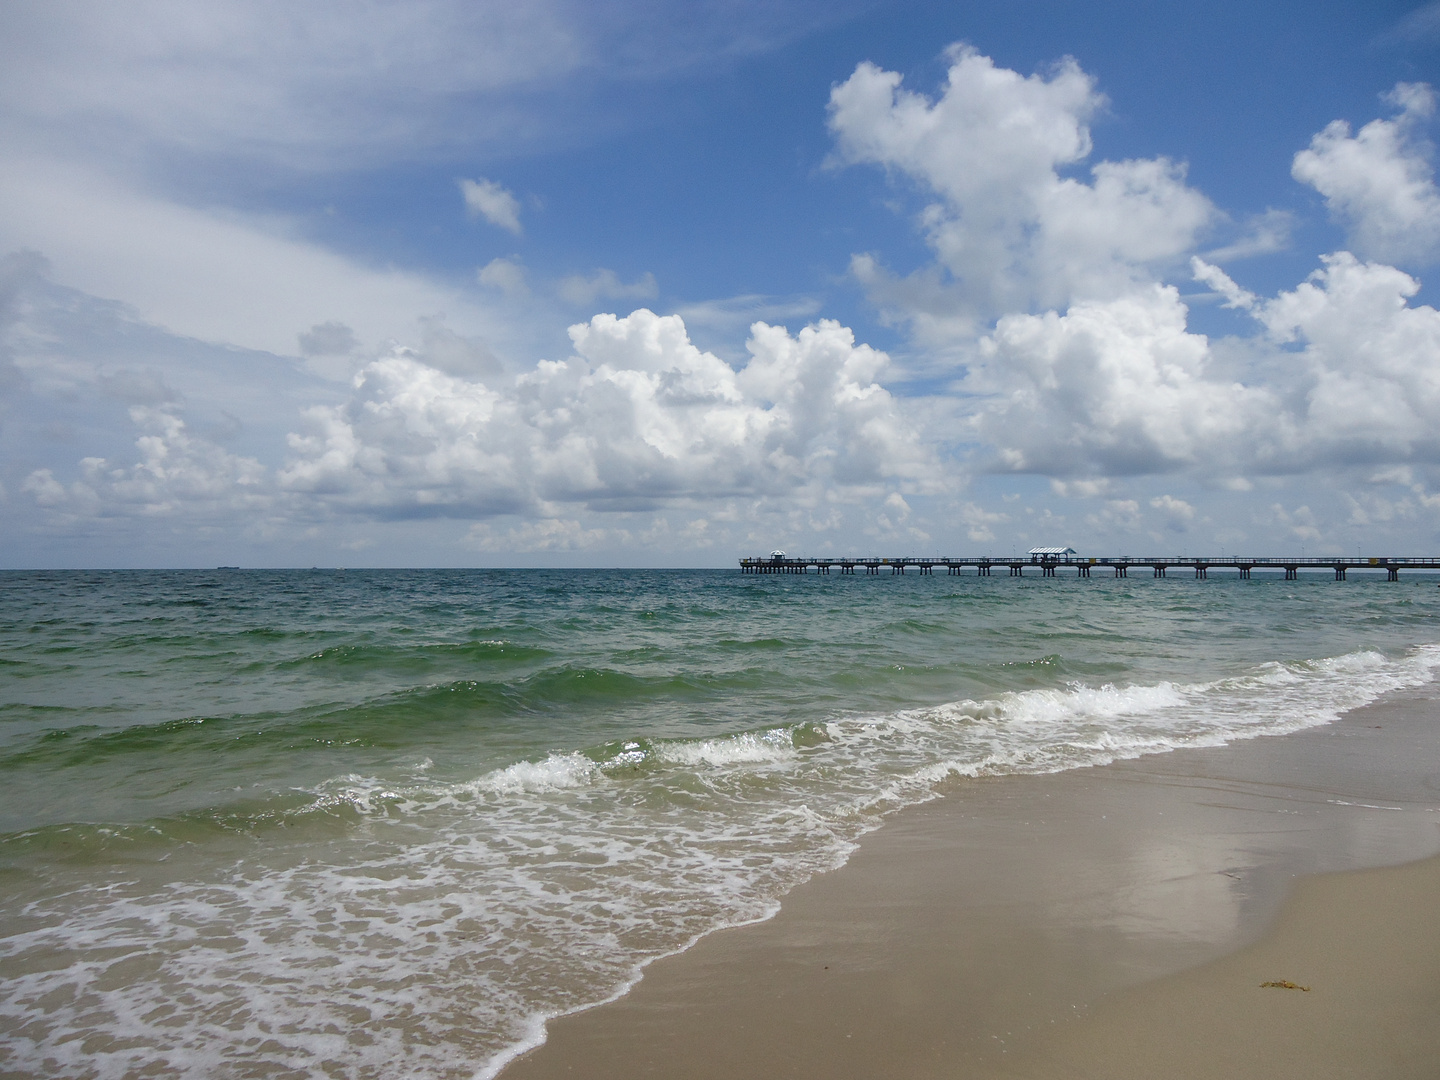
(1119, 565)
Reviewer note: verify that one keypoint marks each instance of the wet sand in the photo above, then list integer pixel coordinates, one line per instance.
(1346, 985)
(1107, 922)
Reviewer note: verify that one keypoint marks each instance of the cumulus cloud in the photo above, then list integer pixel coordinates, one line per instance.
(1116, 387)
(1380, 182)
(1347, 372)
(1111, 381)
(1173, 507)
(176, 471)
(1371, 361)
(492, 201)
(1299, 524)
(1007, 227)
(637, 438)
(1121, 515)
(636, 418)
(606, 285)
(1178, 513)
(979, 523)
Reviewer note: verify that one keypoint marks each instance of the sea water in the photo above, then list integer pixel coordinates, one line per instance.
(387, 823)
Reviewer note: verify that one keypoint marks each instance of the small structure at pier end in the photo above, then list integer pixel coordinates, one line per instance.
(1044, 554)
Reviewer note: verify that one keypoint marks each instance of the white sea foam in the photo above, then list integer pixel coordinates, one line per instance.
(556, 773)
(746, 748)
(435, 938)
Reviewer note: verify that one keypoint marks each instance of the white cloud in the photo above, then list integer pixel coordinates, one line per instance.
(333, 85)
(1380, 182)
(546, 534)
(507, 275)
(638, 427)
(637, 418)
(738, 312)
(1262, 234)
(1342, 371)
(1008, 228)
(1116, 515)
(214, 276)
(895, 502)
(890, 523)
(1419, 27)
(492, 201)
(1122, 387)
(606, 285)
(722, 322)
(1298, 524)
(1081, 489)
(308, 85)
(1178, 513)
(1233, 295)
(1173, 507)
(993, 136)
(328, 339)
(1043, 288)
(1116, 387)
(1372, 361)
(70, 364)
(979, 523)
(176, 471)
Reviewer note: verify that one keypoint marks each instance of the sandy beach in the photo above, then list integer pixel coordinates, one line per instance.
(1106, 922)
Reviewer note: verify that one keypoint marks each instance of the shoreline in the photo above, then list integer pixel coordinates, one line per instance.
(997, 925)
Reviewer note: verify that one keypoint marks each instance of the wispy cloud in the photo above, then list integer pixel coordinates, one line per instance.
(222, 277)
(738, 312)
(492, 201)
(605, 284)
(1419, 27)
(331, 85)
(1262, 234)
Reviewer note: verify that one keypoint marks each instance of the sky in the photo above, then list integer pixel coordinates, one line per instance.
(632, 283)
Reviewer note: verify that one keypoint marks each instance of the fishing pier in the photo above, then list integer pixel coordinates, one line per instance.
(1049, 565)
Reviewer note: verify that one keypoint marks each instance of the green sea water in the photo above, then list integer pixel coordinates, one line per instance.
(378, 823)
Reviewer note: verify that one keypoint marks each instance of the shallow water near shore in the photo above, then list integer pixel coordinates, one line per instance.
(366, 822)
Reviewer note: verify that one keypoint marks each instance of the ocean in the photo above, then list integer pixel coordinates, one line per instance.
(385, 823)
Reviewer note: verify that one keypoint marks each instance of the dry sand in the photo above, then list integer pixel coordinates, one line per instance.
(1105, 923)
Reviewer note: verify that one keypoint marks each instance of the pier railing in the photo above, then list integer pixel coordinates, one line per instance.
(1120, 565)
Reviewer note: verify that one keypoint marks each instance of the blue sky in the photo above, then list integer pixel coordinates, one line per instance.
(656, 284)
